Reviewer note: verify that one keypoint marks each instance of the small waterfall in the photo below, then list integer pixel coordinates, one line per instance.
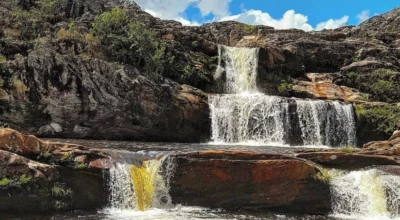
(240, 68)
(266, 120)
(141, 185)
(248, 117)
(365, 195)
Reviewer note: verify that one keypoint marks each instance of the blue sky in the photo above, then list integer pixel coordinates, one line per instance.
(303, 14)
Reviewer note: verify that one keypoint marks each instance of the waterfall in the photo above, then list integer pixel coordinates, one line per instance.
(261, 119)
(240, 68)
(141, 185)
(248, 117)
(365, 195)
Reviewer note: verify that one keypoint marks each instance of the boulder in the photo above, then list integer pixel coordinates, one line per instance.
(245, 180)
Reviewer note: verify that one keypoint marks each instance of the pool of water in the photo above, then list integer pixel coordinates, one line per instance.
(181, 147)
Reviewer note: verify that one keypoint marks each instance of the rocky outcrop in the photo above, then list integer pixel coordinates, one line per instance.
(246, 180)
(37, 175)
(75, 98)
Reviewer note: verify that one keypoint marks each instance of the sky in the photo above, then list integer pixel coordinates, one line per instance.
(307, 15)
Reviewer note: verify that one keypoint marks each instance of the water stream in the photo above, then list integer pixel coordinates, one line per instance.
(250, 118)
(367, 194)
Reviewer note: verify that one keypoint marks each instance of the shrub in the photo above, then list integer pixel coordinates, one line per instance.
(285, 88)
(382, 84)
(5, 181)
(376, 122)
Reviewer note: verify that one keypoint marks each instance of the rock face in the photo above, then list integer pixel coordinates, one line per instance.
(37, 176)
(97, 99)
(249, 181)
(53, 87)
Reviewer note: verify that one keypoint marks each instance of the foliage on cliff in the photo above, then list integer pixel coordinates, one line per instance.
(377, 122)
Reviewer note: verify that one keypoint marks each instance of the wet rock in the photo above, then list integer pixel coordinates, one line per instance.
(325, 90)
(349, 161)
(236, 179)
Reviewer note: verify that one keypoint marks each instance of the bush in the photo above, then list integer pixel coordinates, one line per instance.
(382, 84)
(31, 23)
(128, 41)
(285, 88)
(377, 122)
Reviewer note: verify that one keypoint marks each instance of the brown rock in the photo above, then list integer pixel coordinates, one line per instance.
(246, 180)
(325, 90)
(349, 161)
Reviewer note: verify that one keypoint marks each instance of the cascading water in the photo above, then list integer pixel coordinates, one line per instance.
(370, 194)
(248, 117)
(240, 68)
(142, 184)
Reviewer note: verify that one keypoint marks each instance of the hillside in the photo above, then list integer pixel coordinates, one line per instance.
(105, 69)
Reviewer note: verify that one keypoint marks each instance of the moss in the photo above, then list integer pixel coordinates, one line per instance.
(59, 190)
(24, 179)
(66, 157)
(46, 154)
(5, 181)
(80, 165)
(3, 59)
(285, 88)
(349, 149)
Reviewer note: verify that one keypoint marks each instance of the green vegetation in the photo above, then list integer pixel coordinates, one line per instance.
(128, 41)
(249, 28)
(382, 84)
(24, 179)
(285, 88)
(31, 23)
(327, 175)
(348, 149)
(3, 59)
(66, 157)
(80, 165)
(72, 33)
(5, 181)
(59, 190)
(377, 122)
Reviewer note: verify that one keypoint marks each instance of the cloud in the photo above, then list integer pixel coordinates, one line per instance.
(332, 23)
(290, 19)
(219, 8)
(175, 9)
(364, 15)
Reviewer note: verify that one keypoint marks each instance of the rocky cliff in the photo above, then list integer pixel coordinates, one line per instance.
(63, 76)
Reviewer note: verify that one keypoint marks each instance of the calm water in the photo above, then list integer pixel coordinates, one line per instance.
(181, 147)
(178, 212)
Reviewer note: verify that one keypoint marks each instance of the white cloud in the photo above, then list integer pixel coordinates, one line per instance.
(219, 8)
(333, 23)
(175, 9)
(290, 19)
(364, 15)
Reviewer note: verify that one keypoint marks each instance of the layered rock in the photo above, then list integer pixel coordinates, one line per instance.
(37, 175)
(246, 180)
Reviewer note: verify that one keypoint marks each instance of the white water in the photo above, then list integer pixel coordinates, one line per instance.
(370, 194)
(240, 68)
(153, 181)
(251, 118)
